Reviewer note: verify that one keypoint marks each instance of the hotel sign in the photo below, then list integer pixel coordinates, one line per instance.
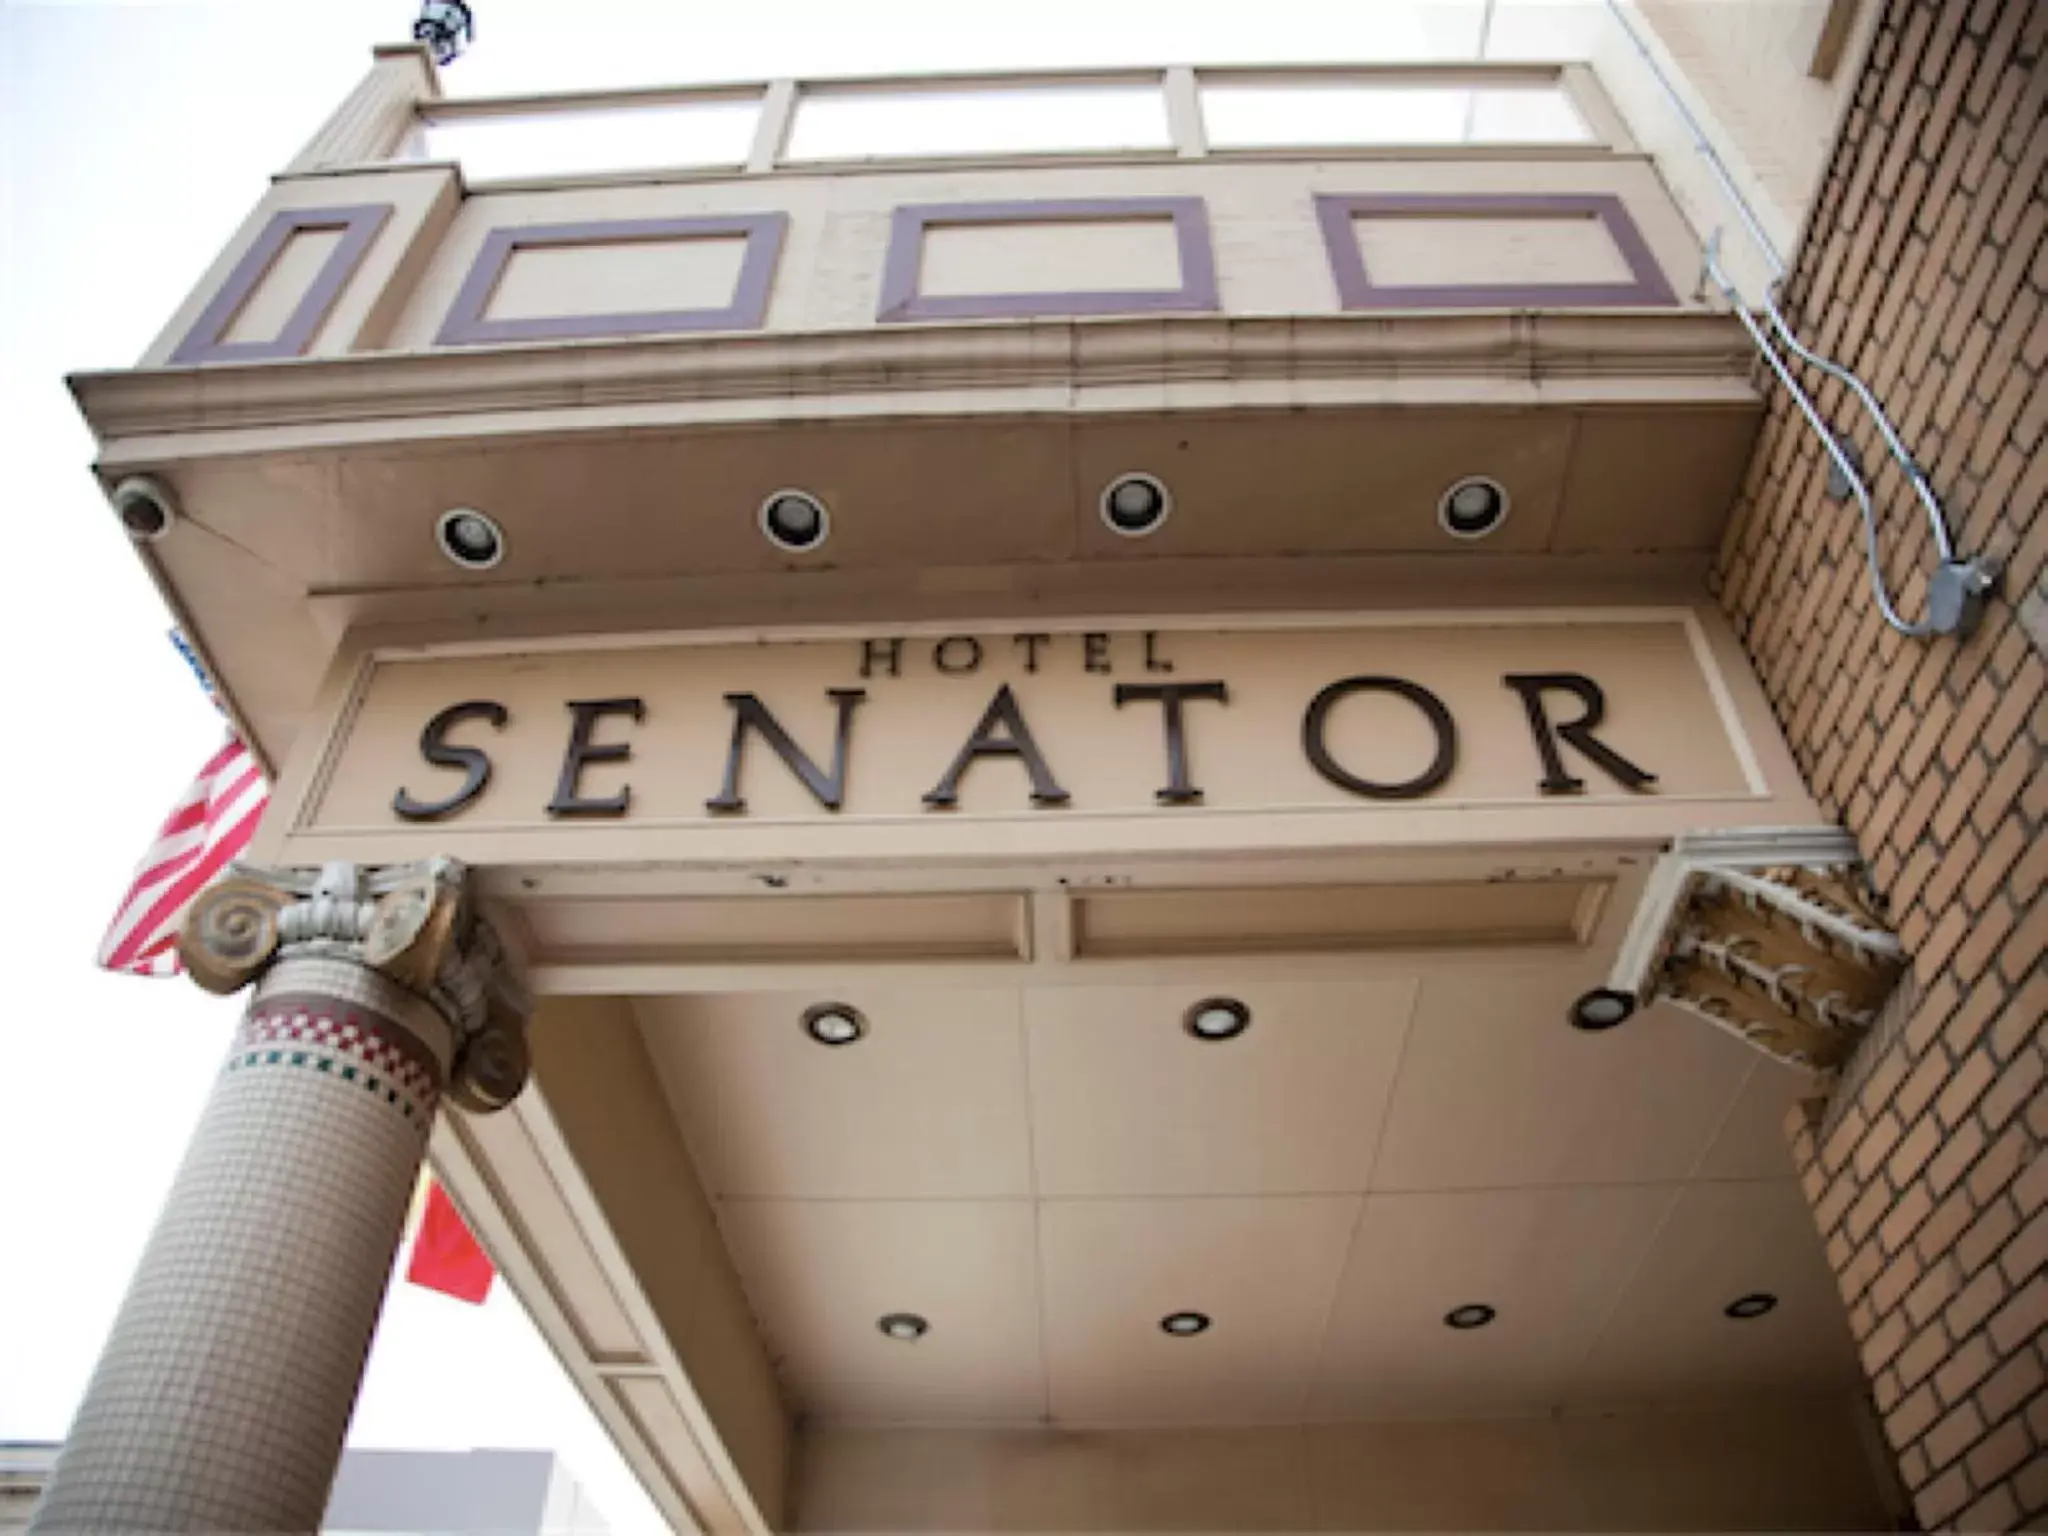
(1030, 724)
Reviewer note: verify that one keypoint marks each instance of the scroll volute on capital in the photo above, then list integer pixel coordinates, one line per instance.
(410, 932)
(230, 933)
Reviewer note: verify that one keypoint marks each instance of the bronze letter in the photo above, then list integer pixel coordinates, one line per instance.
(435, 749)
(1095, 652)
(748, 710)
(1154, 662)
(1579, 732)
(1178, 790)
(945, 648)
(1014, 742)
(1031, 643)
(888, 652)
(1432, 707)
(585, 714)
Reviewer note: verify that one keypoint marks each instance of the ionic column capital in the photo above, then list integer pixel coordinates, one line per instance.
(416, 926)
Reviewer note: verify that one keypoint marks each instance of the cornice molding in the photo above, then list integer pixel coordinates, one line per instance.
(1686, 357)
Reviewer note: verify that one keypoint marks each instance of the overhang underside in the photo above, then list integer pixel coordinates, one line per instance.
(709, 1211)
(280, 552)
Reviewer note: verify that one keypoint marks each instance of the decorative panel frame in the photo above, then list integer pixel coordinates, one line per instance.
(1356, 289)
(359, 223)
(901, 300)
(466, 326)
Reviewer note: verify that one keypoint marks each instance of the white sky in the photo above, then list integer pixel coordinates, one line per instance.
(133, 139)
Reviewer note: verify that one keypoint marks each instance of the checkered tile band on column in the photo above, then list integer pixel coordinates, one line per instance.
(316, 1034)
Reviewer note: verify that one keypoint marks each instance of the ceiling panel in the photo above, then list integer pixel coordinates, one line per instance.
(1126, 1102)
(1264, 1271)
(1045, 1171)
(1668, 1338)
(1497, 1090)
(822, 1273)
(1550, 1262)
(1750, 1143)
(930, 1103)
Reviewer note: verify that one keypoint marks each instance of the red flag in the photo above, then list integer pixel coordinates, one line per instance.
(446, 1256)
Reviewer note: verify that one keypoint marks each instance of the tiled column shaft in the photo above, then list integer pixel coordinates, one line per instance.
(225, 1389)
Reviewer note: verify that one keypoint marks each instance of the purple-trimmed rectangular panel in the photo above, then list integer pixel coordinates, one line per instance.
(358, 224)
(466, 326)
(1357, 290)
(902, 301)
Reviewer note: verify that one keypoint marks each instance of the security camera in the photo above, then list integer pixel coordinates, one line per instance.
(145, 506)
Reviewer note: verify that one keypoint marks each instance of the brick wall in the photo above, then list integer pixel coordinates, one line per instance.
(1927, 271)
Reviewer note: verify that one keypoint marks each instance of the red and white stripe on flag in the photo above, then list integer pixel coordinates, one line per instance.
(207, 829)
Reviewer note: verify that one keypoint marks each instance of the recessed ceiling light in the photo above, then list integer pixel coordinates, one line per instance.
(1135, 505)
(1602, 1008)
(1184, 1325)
(1756, 1304)
(904, 1327)
(1472, 508)
(1471, 1315)
(795, 520)
(1217, 1018)
(470, 538)
(834, 1023)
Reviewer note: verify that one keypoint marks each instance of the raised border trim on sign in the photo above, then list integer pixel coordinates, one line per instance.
(1357, 290)
(359, 224)
(902, 301)
(465, 325)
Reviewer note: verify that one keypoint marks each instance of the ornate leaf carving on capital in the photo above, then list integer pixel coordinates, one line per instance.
(1794, 959)
(414, 924)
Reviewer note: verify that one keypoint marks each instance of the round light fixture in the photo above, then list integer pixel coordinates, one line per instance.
(1217, 1018)
(1602, 1008)
(1472, 508)
(1471, 1315)
(904, 1327)
(1184, 1325)
(1134, 505)
(469, 538)
(834, 1023)
(1756, 1304)
(795, 520)
(144, 505)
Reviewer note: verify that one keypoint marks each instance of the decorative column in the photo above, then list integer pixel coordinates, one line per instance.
(224, 1391)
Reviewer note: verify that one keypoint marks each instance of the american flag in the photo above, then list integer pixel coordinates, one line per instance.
(211, 825)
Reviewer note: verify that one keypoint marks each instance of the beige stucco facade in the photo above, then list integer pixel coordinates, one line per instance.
(1019, 797)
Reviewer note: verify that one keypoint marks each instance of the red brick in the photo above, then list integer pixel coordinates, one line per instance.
(1996, 1511)
(1913, 1152)
(1876, 1145)
(2017, 1379)
(1956, 1155)
(1975, 1302)
(1986, 1235)
(1912, 1416)
(1942, 1498)
(1918, 1359)
(1998, 1453)
(1970, 1364)
(2003, 1163)
(1932, 1292)
(2019, 1322)
(1965, 1086)
(1958, 1430)
(2027, 1254)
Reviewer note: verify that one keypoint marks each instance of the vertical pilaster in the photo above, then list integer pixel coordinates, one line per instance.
(373, 123)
